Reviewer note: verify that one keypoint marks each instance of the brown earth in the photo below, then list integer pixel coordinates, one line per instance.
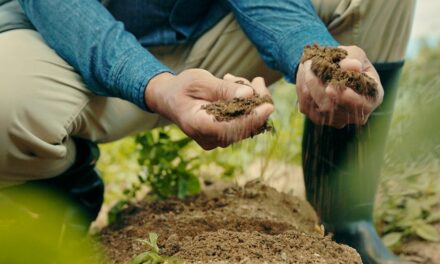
(251, 224)
(325, 65)
(227, 110)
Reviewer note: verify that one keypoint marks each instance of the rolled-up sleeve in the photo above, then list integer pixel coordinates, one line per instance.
(110, 59)
(281, 29)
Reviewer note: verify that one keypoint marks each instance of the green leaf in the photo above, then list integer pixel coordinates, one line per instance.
(413, 209)
(392, 239)
(427, 232)
(153, 242)
(433, 217)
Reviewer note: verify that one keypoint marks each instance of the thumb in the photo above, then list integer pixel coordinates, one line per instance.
(349, 64)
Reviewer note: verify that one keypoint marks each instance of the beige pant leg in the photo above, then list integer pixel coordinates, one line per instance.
(381, 28)
(43, 102)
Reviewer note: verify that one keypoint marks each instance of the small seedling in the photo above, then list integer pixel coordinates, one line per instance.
(153, 256)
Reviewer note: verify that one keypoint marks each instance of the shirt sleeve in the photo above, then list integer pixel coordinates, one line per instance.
(111, 60)
(281, 29)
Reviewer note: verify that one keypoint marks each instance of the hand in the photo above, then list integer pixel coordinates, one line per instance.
(327, 105)
(180, 98)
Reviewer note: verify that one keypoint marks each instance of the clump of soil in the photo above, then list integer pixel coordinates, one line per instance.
(227, 110)
(251, 224)
(325, 65)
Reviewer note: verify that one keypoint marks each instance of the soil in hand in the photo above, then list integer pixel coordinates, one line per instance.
(251, 224)
(227, 110)
(325, 65)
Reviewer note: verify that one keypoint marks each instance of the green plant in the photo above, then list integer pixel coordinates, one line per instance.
(152, 256)
(166, 169)
(409, 208)
(165, 166)
(410, 190)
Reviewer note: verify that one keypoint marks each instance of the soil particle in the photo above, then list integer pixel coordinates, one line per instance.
(325, 65)
(251, 224)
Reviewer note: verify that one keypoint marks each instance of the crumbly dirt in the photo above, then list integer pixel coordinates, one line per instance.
(251, 224)
(227, 110)
(325, 65)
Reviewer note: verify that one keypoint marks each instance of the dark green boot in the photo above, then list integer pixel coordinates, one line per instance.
(341, 173)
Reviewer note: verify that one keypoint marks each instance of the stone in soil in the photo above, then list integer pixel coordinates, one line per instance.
(325, 65)
(251, 224)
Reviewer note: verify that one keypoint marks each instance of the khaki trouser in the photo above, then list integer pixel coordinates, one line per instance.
(44, 103)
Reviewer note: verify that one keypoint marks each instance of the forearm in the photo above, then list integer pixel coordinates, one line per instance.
(281, 29)
(110, 59)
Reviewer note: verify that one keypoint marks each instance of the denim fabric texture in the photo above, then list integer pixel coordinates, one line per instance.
(108, 45)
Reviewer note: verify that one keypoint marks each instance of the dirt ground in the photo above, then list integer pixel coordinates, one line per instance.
(250, 224)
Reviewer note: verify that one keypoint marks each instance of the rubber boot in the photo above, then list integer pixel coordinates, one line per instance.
(341, 173)
(77, 194)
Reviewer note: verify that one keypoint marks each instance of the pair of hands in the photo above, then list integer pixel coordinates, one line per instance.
(180, 98)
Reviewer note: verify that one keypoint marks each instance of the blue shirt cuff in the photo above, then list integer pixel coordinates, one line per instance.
(293, 42)
(133, 73)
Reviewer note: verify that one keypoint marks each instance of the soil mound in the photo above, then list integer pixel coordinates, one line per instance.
(325, 65)
(253, 224)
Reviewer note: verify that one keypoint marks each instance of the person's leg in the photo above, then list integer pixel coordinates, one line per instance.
(50, 121)
(342, 167)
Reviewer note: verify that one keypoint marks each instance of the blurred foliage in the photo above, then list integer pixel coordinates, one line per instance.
(38, 225)
(165, 167)
(119, 167)
(409, 194)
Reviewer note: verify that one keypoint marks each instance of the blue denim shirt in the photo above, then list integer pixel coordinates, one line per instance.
(107, 45)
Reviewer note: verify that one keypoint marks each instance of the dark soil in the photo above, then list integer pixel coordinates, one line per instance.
(254, 224)
(325, 65)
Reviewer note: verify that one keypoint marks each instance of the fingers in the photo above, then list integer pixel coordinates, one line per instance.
(210, 88)
(349, 64)
(258, 83)
(235, 79)
(246, 126)
(260, 87)
(317, 89)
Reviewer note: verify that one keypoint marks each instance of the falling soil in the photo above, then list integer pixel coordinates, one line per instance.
(251, 224)
(325, 65)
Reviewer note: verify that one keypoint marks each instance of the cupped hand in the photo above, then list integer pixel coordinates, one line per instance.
(180, 99)
(328, 105)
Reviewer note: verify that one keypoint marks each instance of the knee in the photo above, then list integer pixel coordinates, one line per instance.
(34, 145)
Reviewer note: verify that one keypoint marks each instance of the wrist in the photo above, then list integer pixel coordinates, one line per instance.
(153, 88)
